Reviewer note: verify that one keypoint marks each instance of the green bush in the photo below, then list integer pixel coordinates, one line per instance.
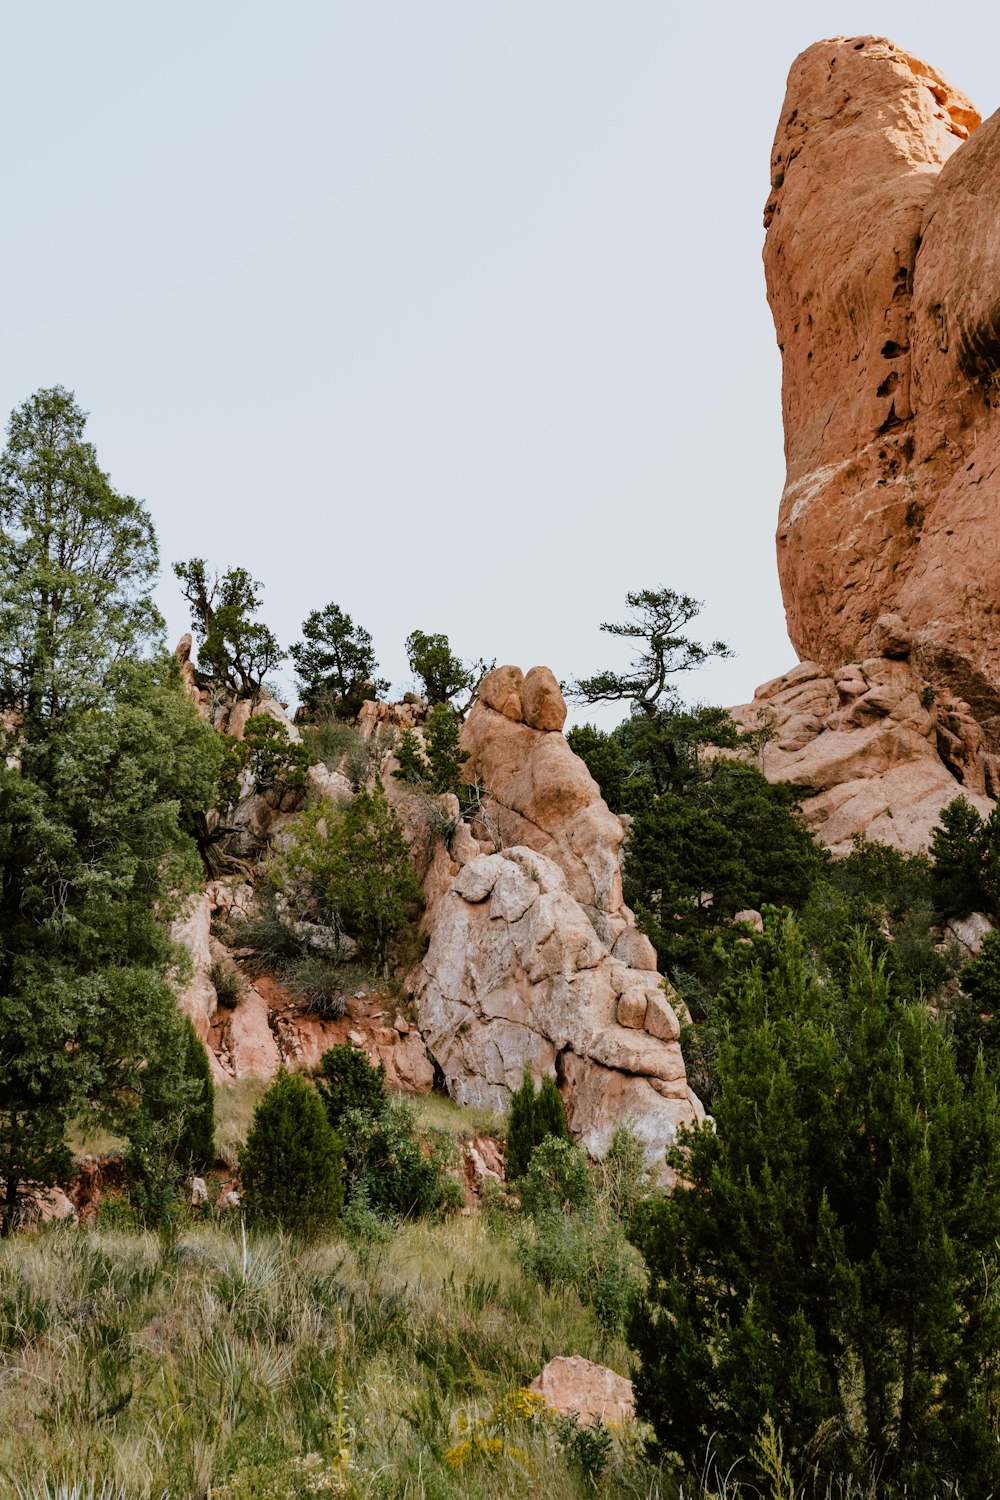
(349, 868)
(412, 766)
(392, 1170)
(276, 763)
(292, 1164)
(388, 1164)
(557, 1180)
(444, 755)
(227, 981)
(532, 1117)
(826, 1266)
(348, 1081)
(196, 1147)
(966, 852)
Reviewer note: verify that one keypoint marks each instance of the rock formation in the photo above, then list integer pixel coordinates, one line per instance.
(533, 958)
(593, 1394)
(882, 261)
(868, 751)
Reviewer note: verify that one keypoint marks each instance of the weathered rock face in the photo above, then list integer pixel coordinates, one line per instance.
(516, 975)
(536, 792)
(881, 259)
(533, 958)
(869, 752)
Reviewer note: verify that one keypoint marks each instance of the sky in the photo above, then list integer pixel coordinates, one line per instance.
(448, 311)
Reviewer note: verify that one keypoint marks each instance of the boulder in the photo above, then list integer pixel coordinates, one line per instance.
(595, 1395)
(863, 747)
(542, 703)
(515, 975)
(865, 129)
(969, 932)
(247, 708)
(538, 794)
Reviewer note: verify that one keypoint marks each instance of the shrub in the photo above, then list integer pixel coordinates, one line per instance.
(227, 981)
(966, 853)
(557, 1180)
(292, 1164)
(349, 868)
(825, 1267)
(444, 755)
(317, 982)
(196, 1147)
(349, 1081)
(276, 763)
(532, 1117)
(392, 1171)
(412, 767)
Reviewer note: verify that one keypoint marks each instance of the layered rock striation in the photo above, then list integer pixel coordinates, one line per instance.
(882, 263)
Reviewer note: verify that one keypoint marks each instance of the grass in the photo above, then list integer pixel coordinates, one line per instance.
(234, 1106)
(438, 1112)
(218, 1367)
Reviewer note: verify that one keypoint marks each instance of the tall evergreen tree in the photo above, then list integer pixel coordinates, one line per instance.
(101, 778)
(77, 564)
(335, 660)
(829, 1263)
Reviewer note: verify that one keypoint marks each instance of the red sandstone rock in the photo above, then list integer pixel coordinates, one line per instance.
(882, 259)
(574, 1386)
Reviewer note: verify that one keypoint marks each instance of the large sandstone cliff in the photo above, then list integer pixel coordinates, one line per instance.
(882, 263)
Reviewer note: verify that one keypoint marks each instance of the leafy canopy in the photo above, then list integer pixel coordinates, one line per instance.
(235, 651)
(658, 617)
(77, 564)
(335, 663)
(349, 868)
(101, 786)
(827, 1262)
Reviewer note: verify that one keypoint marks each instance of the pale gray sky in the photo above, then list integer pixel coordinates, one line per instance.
(449, 311)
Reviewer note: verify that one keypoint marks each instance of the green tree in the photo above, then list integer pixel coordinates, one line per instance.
(658, 616)
(95, 853)
(292, 1164)
(390, 1169)
(442, 674)
(534, 1115)
(101, 787)
(728, 842)
(975, 1017)
(235, 651)
(196, 1145)
(276, 762)
(348, 1081)
(412, 765)
(335, 663)
(349, 868)
(965, 849)
(77, 563)
(827, 1265)
(444, 754)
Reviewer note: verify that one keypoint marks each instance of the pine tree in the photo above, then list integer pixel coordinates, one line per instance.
(444, 753)
(335, 663)
(533, 1116)
(101, 785)
(349, 1081)
(827, 1264)
(292, 1164)
(196, 1146)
